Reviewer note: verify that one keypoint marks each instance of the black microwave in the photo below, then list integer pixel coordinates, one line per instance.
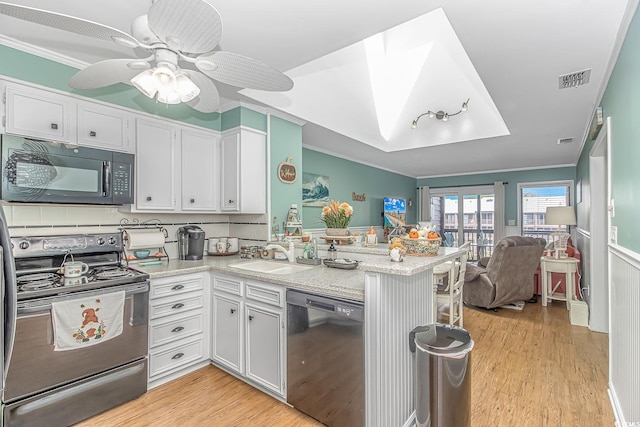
(37, 171)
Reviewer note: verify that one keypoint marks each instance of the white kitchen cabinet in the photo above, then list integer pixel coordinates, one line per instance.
(178, 319)
(200, 171)
(244, 168)
(227, 345)
(105, 127)
(38, 114)
(155, 160)
(264, 335)
(248, 330)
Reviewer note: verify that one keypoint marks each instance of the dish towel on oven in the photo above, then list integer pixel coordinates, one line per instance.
(87, 321)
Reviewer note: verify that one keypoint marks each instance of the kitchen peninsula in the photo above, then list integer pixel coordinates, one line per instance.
(397, 297)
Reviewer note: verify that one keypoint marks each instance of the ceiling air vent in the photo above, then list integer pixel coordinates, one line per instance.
(576, 79)
(562, 141)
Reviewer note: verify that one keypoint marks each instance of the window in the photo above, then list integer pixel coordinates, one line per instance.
(465, 215)
(533, 200)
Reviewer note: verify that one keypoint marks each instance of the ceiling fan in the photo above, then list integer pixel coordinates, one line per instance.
(175, 32)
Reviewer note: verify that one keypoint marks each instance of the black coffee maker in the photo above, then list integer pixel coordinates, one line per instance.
(190, 242)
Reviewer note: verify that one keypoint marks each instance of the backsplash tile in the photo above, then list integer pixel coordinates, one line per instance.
(31, 220)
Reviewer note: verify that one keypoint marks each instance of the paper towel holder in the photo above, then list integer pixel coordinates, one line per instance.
(126, 227)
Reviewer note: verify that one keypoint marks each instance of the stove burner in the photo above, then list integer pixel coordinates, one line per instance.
(34, 282)
(115, 272)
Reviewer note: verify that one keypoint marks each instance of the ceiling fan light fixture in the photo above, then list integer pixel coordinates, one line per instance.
(185, 88)
(144, 83)
(164, 78)
(168, 96)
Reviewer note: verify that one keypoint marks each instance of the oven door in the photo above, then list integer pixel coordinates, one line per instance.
(35, 367)
(39, 171)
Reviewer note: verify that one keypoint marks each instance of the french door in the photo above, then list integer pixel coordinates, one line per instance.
(465, 214)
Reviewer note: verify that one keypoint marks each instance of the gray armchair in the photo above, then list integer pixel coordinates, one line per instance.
(507, 276)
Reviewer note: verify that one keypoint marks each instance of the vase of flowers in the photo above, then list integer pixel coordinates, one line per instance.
(336, 216)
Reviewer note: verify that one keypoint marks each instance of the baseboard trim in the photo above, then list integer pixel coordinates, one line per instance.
(615, 405)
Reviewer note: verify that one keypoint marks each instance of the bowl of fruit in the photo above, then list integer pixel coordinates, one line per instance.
(424, 242)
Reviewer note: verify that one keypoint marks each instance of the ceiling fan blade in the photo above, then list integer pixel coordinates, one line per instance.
(68, 23)
(238, 70)
(208, 100)
(192, 26)
(106, 73)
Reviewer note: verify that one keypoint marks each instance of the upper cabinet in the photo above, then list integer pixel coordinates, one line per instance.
(200, 170)
(155, 160)
(38, 113)
(100, 126)
(177, 168)
(243, 171)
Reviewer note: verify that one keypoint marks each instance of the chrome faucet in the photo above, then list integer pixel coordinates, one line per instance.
(289, 253)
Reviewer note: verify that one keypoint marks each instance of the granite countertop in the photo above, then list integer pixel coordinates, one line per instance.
(319, 279)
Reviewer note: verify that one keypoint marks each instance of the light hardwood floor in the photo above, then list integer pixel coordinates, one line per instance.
(529, 368)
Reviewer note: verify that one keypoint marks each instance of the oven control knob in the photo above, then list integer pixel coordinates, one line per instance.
(112, 240)
(100, 241)
(23, 245)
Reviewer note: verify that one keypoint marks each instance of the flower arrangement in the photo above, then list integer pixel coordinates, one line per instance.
(336, 214)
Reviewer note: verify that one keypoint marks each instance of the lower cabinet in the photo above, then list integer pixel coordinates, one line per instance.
(178, 320)
(248, 330)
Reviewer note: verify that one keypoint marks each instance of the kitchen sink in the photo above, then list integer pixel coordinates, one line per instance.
(270, 267)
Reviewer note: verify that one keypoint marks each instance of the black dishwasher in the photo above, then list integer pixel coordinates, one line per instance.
(325, 358)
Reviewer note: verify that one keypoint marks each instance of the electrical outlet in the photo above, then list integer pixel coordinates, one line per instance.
(614, 234)
(512, 222)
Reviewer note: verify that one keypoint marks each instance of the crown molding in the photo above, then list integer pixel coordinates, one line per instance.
(42, 53)
(341, 156)
(231, 104)
(499, 171)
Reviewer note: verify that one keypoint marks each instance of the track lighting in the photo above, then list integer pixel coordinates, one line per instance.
(440, 115)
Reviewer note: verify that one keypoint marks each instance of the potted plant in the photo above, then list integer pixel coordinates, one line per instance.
(336, 217)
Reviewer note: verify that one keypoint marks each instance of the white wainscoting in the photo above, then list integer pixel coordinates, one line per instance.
(394, 306)
(624, 335)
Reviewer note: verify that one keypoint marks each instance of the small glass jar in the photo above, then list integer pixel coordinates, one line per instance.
(332, 253)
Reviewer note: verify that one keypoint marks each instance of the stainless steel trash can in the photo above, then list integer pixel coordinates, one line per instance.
(443, 375)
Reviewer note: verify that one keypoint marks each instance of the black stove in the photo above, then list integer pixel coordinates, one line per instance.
(39, 262)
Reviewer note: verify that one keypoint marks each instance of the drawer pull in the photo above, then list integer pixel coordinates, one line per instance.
(250, 317)
(148, 198)
(177, 356)
(177, 329)
(233, 310)
(177, 287)
(177, 306)
(54, 126)
(192, 201)
(92, 133)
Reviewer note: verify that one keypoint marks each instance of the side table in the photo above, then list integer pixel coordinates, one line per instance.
(549, 265)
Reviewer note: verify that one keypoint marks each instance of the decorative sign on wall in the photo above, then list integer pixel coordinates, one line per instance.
(287, 171)
(358, 197)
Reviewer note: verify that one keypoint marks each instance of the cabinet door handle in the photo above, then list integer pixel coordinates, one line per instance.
(92, 133)
(192, 201)
(177, 306)
(148, 198)
(177, 329)
(54, 126)
(177, 287)
(233, 310)
(177, 356)
(250, 317)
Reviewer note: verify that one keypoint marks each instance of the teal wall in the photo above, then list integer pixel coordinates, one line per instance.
(286, 141)
(31, 68)
(621, 101)
(347, 177)
(510, 189)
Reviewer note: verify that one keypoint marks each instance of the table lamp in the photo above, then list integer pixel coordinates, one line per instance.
(560, 215)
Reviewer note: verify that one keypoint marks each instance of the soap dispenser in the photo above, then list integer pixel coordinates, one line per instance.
(332, 253)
